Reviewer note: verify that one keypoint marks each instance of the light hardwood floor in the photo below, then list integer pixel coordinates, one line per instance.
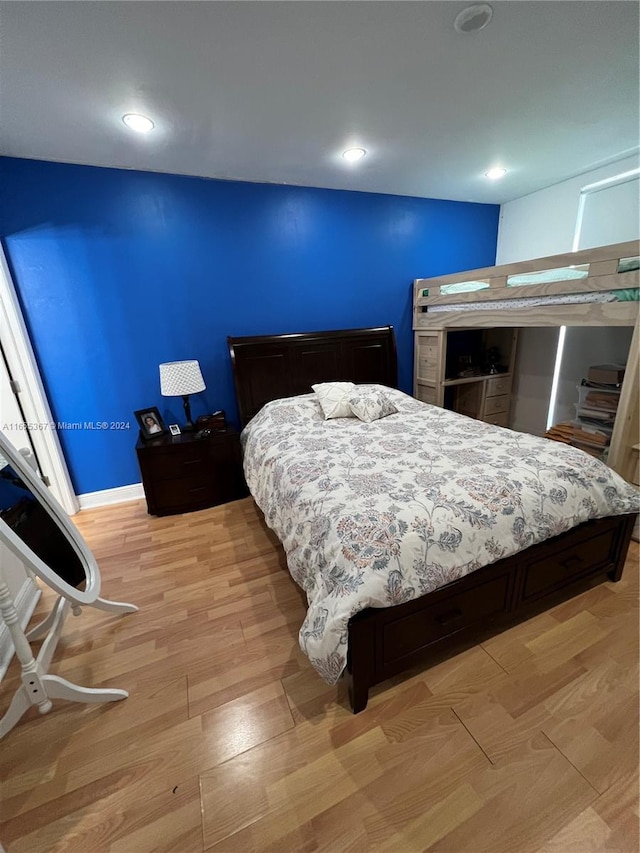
(230, 741)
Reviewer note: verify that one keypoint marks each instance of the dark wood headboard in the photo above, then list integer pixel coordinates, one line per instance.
(269, 367)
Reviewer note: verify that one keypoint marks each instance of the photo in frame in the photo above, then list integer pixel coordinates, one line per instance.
(150, 423)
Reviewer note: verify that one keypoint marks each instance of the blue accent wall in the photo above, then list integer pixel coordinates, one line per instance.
(118, 271)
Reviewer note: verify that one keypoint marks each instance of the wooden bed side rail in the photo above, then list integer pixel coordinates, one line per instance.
(423, 631)
(603, 261)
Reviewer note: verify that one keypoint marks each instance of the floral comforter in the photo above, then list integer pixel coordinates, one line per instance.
(373, 515)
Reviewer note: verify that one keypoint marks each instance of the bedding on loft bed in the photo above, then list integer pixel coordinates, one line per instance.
(631, 294)
(376, 514)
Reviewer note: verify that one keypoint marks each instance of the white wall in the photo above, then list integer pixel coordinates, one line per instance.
(543, 223)
(611, 215)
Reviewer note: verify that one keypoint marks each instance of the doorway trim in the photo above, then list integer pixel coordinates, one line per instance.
(24, 370)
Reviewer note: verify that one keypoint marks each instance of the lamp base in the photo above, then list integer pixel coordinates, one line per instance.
(189, 425)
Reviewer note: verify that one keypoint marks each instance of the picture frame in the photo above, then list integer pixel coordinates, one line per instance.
(174, 429)
(150, 423)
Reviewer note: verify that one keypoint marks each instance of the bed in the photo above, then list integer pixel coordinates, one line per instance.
(426, 622)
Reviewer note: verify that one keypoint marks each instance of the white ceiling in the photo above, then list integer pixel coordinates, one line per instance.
(275, 91)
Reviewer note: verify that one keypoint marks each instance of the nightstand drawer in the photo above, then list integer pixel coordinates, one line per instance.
(493, 405)
(183, 491)
(498, 385)
(180, 461)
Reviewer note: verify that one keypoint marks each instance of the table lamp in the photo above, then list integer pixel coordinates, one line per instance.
(179, 379)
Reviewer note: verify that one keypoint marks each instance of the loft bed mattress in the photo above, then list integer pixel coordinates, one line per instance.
(374, 515)
(628, 295)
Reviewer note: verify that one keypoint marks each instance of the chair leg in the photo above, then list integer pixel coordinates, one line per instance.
(20, 704)
(114, 606)
(59, 688)
(41, 628)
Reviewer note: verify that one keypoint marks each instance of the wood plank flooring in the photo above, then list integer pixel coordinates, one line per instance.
(229, 740)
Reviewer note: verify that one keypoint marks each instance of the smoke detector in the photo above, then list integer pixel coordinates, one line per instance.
(473, 18)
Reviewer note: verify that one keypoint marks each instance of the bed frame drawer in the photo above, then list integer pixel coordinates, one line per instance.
(578, 560)
(449, 615)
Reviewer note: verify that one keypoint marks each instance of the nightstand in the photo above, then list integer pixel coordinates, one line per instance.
(181, 473)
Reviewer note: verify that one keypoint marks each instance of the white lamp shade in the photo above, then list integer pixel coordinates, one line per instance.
(178, 378)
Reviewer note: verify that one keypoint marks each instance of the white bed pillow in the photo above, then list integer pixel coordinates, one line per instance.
(370, 406)
(332, 397)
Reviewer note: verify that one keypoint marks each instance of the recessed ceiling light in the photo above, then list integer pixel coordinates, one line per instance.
(141, 124)
(496, 173)
(351, 155)
(473, 18)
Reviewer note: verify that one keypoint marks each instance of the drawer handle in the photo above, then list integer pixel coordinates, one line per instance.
(191, 461)
(198, 489)
(447, 618)
(571, 561)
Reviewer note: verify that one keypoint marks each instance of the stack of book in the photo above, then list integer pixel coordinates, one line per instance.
(598, 399)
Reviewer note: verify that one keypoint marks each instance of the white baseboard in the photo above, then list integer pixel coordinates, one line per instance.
(25, 603)
(106, 497)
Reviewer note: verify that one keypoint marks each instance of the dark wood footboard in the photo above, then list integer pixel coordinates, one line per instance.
(386, 641)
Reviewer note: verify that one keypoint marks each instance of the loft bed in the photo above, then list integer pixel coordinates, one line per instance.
(591, 287)
(384, 641)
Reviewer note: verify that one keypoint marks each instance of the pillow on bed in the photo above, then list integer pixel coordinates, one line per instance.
(370, 406)
(332, 397)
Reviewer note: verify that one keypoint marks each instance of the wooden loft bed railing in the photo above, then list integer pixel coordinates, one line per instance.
(589, 271)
